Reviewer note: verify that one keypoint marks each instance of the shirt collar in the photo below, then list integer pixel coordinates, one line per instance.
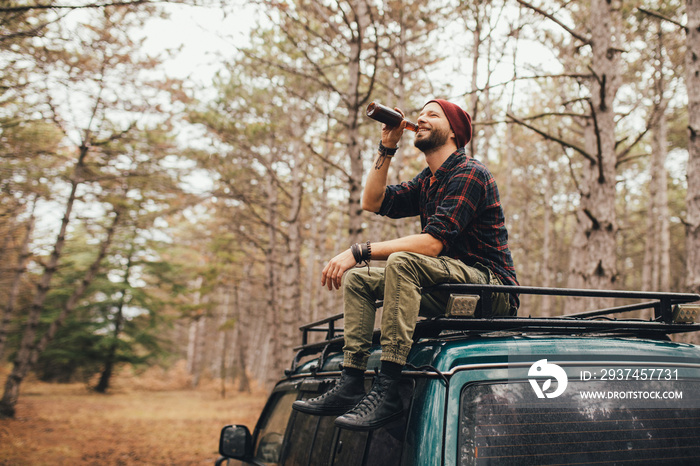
(452, 161)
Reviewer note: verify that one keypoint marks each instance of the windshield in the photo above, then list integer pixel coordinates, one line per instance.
(610, 422)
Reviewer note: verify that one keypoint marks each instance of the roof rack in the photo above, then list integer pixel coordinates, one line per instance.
(591, 322)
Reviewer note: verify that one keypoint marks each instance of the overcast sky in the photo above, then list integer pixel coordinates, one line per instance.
(205, 36)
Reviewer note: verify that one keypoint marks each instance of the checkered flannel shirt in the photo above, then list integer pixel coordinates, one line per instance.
(461, 207)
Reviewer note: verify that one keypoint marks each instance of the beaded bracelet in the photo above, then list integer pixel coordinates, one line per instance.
(361, 252)
(384, 153)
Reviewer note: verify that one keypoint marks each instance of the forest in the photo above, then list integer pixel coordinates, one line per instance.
(148, 219)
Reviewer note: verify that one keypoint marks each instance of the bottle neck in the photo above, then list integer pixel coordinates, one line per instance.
(412, 126)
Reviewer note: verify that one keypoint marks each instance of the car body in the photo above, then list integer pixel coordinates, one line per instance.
(581, 389)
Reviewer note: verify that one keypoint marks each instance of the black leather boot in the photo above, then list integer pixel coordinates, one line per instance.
(379, 407)
(338, 400)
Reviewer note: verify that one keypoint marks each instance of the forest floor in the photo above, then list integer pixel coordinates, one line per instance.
(143, 420)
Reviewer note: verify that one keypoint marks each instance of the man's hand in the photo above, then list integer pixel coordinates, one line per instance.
(332, 274)
(375, 185)
(392, 134)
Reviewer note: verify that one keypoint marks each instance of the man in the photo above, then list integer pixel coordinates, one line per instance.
(463, 240)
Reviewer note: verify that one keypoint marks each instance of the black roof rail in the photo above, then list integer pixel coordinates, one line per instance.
(333, 337)
(662, 303)
(330, 330)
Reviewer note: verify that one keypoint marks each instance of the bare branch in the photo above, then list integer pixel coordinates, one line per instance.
(553, 138)
(663, 17)
(656, 113)
(115, 136)
(557, 114)
(624, 156)
(577, 35)
(27, 33)
(326, 83)
(631, 157)
(523, 78)
(327, 161)
(20, 9)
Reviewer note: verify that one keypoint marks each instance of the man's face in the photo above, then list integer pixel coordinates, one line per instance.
(433, 128)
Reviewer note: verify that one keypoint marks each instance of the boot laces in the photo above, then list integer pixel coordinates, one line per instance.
(332, 391)
(370, 402)
(328, 393)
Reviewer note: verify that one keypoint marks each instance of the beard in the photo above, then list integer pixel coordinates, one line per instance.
(435, 139)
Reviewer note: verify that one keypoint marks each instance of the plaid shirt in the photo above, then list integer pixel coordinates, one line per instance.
(461, 207)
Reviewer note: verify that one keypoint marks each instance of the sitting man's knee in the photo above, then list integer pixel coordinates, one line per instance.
(400, 258)
(355, 277)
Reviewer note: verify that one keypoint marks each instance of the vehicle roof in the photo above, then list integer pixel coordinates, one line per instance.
(445, 353)
(446, 342)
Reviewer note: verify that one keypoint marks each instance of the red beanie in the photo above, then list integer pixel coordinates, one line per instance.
(460, 121)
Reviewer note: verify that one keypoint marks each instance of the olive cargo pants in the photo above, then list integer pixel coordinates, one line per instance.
(399, 284)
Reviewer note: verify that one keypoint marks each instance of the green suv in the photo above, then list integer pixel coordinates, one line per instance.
(577, 389)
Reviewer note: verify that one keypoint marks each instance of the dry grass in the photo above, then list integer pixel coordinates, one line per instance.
(135, 424)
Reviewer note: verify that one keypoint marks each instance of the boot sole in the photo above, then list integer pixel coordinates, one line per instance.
(348, 425)
(335, 411)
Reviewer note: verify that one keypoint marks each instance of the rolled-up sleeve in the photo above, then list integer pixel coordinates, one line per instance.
(458, 208)
(402, 200)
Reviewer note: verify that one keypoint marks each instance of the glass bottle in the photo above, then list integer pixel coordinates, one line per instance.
(388, 116)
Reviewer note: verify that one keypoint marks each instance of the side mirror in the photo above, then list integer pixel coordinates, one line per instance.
(236, 442)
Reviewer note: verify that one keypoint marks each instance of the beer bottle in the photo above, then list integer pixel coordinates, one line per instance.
(388, 116)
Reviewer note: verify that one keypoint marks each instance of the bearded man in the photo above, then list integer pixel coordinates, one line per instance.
(463, 240)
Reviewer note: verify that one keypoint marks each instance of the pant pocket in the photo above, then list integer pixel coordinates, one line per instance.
(500, 302)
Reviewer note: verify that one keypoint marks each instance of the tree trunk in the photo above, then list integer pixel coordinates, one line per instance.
(110, 359)
(319, 251)
(191, 346)
(27, 345)
(651, 240)
(692, 60)
(78, 292)
(656, 271)
(224, 328)
(475, 72)
(487, 131)
(30, 349)
(659, 216)
(291, 262)
(8, 234)
(273, 317)
(547, 246)
(194, 335)
(594, 262)
(398, 173)
(354, 103)
(200, 348)
(9, 309)
(243, 329)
